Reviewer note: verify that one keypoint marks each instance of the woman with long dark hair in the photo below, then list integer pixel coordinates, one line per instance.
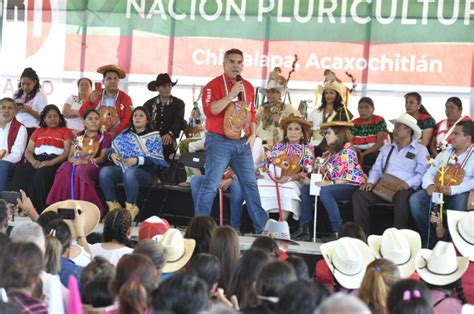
(137, 153)
(30, 99)
(425, 121)
(85, 160)
(48, 147)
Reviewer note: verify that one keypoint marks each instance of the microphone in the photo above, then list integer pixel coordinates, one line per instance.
(238, 78)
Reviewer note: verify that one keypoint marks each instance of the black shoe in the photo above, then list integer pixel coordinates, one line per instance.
(331, 237)
(302, 233)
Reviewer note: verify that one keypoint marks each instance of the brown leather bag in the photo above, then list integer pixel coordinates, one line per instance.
(470, 200)
(236, 118)
(388, 185)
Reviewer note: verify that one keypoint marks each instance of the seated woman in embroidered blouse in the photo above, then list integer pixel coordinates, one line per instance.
(73, 104)
(48, 147)
(286, 164)
(424, 120)
(137, 153)
(369, 130)
(444, 128)
(82, 168)
(342, 175)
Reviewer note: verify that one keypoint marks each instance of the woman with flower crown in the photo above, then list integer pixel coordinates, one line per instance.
(86, 157)
(286, 164)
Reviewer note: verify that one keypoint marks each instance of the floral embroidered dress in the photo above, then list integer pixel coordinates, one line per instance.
(344, 165)
(284, 157)
(425, 121)
(365, 133)
(86, 174)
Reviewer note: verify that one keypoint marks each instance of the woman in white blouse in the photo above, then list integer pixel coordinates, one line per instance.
(73, 103)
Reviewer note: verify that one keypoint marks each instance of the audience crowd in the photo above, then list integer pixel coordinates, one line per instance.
(66, 166)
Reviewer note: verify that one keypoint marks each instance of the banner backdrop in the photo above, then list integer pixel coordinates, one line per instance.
(388, 45)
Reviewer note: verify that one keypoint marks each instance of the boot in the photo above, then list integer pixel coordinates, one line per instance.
(133, 208)
(113, 205)
(302, 233)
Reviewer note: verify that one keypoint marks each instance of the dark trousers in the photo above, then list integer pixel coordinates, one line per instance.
(362, 200)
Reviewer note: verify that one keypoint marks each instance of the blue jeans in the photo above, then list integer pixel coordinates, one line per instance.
(329, 197)
(420, 207)
(132, 179)
(236, 199)
(6, 170)
(221, 153)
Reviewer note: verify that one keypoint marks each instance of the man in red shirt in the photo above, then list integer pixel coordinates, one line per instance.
(221, 151)
(114, 105)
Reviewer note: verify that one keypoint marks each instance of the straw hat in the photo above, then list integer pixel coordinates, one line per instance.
(272, 84)
(90, 211)
(347, 258)
(399, 246)
(179, 250)
(112, 67)
(440, 266)
(326, 125)
(306, 125)
(410, 122)
(461, 229)
(278, 230)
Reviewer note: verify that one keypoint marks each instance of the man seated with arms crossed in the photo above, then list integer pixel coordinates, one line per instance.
(114, 105)
(222, 151)
(405, 159)
(13, 138)
(459, 175)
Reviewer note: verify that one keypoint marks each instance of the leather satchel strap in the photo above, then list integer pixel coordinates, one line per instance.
(388, 158)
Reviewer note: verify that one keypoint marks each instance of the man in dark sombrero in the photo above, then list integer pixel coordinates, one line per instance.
(114, 105)
(167, 112)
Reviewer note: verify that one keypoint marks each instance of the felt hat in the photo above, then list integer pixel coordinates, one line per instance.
(112, 67)
(90, 211)
(440, 266)
(410, 122)
(306, 125)
(179, 250)
(461, 229)
(398, 246)
(347, 259)
(161, 79)
(278, 230)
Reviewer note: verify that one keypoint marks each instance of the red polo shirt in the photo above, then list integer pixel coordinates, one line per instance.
(215, 90)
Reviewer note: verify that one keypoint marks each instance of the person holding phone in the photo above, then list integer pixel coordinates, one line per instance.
(113, 104)
(84, 163)
(13, 138)
(48, 147)
(138, 155)
(73, 104)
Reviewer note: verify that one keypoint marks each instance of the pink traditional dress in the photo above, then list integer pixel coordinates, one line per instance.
(282, 158)
(85, 174)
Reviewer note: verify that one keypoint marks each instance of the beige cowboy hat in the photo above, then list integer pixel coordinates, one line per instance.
(461, 229)
(440, 266)
(410, 122)
(179, 249)
(112, 67)
(272, 84)
(399, 246)
(306, 125)
(278, 230)
(90, 211)
(347, 259)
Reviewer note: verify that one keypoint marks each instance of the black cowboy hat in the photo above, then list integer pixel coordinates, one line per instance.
(161, 79)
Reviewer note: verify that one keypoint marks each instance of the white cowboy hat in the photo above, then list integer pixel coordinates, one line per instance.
(399, 246)
(440, 266)
(90, 211)
(410, 122)
(347, 258)
(272, 84)
(278, 230)
(461, 228)
(179, 249)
